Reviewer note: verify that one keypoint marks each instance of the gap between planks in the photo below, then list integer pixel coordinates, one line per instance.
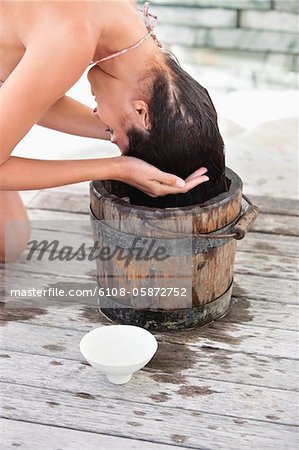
(37, 436)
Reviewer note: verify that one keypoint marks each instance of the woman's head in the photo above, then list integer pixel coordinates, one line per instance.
(121, 104)
(171, 124)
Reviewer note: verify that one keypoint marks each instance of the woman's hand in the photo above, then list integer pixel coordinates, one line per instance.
(153, 181)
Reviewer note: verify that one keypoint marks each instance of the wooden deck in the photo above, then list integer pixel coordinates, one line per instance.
(230, 385)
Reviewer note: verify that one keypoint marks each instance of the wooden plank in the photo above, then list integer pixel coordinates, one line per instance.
(266, 341)
(275, 224)
(43, 215)
(263, 243)
(209, 360)
(274, 289)
(260, 313)
(69, 202)
(73, 268)
(216, 397)
(32, 436)
(61, 201)
(207, 363)
(275, 205)
(274, 266)
(213, 363)
(61, 229)
(268, 205)
(65, 237)
(151, 422)
(228, 336)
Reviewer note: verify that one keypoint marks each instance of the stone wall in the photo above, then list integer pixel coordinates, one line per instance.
(260, 36)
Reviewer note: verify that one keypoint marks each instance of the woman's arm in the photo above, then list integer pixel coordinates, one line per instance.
(25, 174)
(50, 66)
(19, 174)
(70, 116)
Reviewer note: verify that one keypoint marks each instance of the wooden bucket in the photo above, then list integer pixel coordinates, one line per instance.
(192, 285)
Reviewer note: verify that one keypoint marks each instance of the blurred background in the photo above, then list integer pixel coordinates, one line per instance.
(245, 52)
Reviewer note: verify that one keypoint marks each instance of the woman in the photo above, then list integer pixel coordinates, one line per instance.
(46, 46)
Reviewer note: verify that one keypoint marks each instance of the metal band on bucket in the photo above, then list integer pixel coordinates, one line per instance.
(177, 319)
(173, 246)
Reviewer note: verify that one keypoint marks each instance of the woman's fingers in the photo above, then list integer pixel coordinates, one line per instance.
(197, 173)
(157, 189)
(195, 182)
(169, 179)
(173, 180)
(160, 190)
(171, 184)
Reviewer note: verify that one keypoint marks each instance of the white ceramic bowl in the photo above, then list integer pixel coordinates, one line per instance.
(118, 350)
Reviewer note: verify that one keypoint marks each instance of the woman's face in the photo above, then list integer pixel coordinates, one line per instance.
(113, 104)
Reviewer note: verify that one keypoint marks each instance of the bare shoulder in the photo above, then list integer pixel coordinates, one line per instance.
(62, 42)
(54, 60)
(66, 22)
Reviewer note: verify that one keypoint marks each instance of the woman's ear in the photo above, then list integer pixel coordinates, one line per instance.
(141, 110)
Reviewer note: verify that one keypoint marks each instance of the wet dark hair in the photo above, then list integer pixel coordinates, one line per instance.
(184, 136)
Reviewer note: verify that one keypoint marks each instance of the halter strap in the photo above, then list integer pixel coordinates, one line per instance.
(150, 22)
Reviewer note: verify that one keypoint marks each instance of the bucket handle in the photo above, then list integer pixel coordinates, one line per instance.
(241, 226)
(246, 220)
